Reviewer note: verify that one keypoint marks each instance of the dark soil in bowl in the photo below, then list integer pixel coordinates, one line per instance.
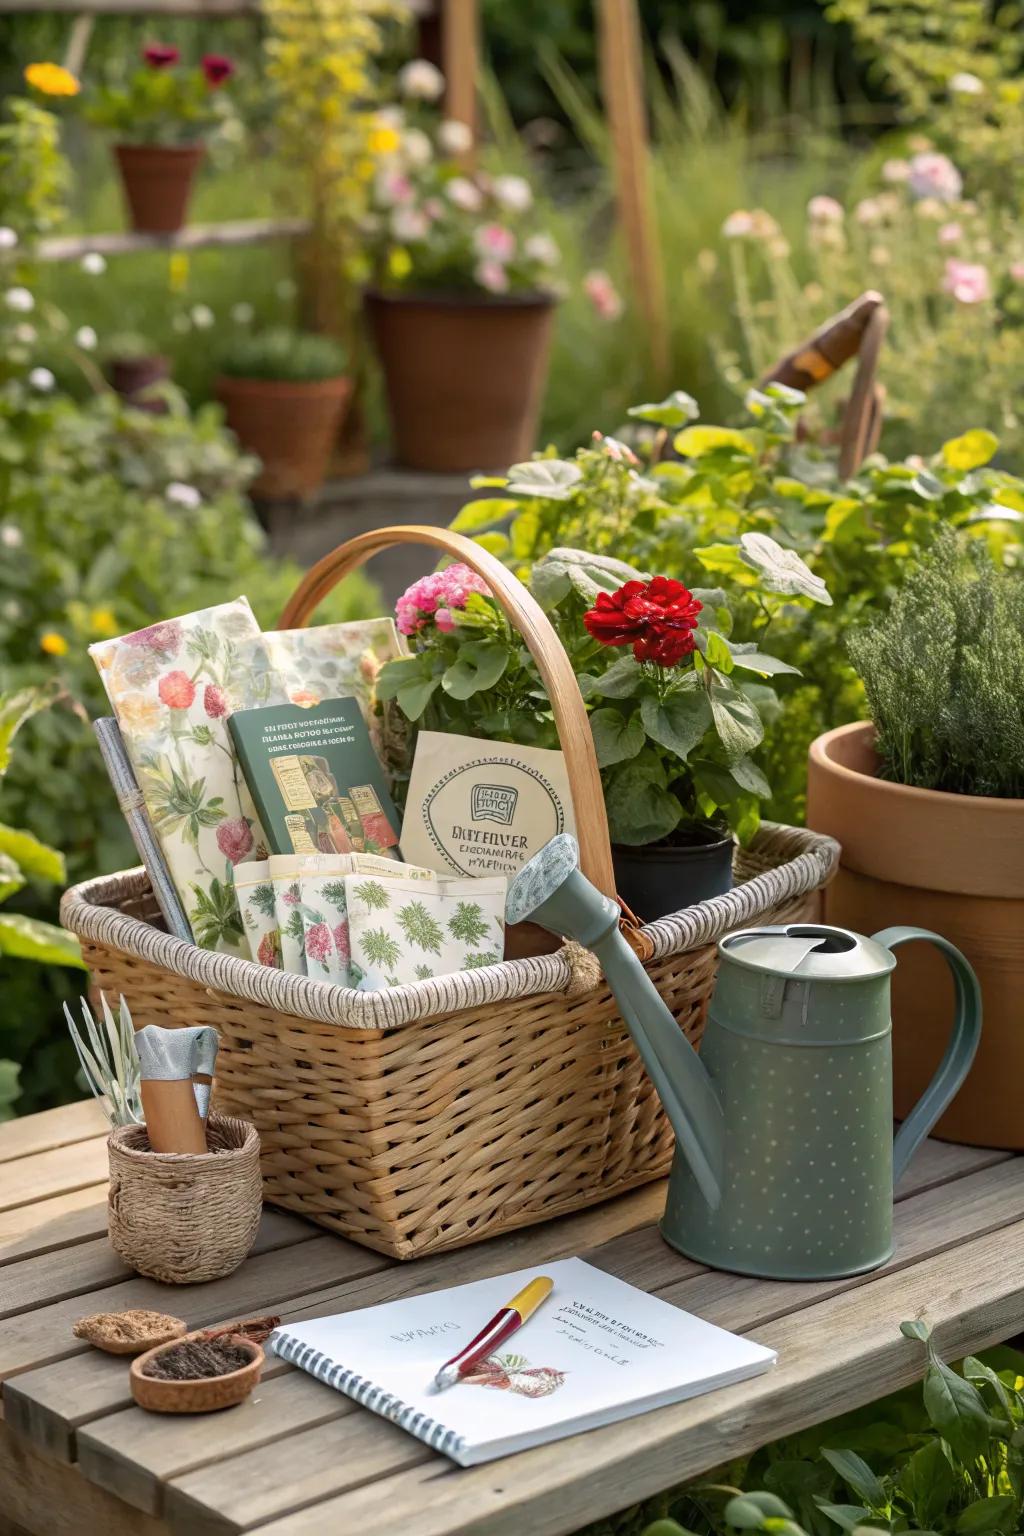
(195, 1360)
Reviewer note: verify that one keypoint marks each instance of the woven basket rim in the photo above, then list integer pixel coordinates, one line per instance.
(234, 1125)
(91, 910)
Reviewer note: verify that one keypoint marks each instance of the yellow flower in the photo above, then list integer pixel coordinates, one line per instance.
(177, 271)
(52, 80)
(102, 622)
(53, 643)
(383, 141)
(399, 263)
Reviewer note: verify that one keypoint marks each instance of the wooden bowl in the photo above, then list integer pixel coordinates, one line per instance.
(206, 1394)
(144, 1330)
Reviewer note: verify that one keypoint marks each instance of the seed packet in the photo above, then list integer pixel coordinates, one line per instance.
(257, 904)
(309, 894)
(172, 687)
(284, 876)
(403, 930)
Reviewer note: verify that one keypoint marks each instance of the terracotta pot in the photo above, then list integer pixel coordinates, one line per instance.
(951, 863)
(132, 376)
(464, 375)
(157, 180)
(291, 427)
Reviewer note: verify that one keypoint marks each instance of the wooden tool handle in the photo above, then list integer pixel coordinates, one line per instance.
(544, 646)
(172, 1116)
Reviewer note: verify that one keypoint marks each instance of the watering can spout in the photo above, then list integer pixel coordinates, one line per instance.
(552, 890)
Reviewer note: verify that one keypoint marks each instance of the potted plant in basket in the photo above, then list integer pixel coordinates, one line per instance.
(461, 303)
(284, 394)
(674, 701)
(159, 116)
(927, 799)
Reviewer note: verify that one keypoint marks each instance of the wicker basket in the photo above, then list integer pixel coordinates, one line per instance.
(184, 1217)
(436, 1114)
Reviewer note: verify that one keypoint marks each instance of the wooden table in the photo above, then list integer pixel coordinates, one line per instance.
(77, 1458)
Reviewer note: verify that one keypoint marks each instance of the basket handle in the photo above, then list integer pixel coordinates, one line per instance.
(526, 615)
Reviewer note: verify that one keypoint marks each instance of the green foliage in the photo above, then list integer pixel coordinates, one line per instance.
(942, 670)
(283, 354)
(24, 858)
(157, 103)
(33, 172)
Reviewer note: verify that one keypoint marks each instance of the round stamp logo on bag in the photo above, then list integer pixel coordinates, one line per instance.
(490, 816)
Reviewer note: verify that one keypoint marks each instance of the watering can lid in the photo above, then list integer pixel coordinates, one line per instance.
(808, 951)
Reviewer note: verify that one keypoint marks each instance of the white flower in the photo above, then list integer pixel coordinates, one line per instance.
(420, 80)
(825, 210)
(20, 300)
(183, 495)
(25, 333)
(409, 225)
(935, 176)
(86, 338)
(416, 147)
(461, 191)
(512, 192)
(455, 138)
(389, 117)
(202, 317)
(12, 610)
(738, 225)
(895, 170)
(8, 238)
(93, 263)
(492, 276)
(11, 537)
(544, 249)
(42, 379)
(966, 84)
(242, 313)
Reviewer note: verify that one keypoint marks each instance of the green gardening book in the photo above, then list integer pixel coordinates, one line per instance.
(315, 778)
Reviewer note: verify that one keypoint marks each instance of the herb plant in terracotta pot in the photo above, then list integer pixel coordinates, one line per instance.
(927, 800)
(159, 116)
(462, 302)
(284, 394)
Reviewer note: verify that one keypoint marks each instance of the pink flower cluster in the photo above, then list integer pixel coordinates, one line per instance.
(435, 596)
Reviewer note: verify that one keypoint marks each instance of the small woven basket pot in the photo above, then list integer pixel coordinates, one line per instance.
(184, 1217)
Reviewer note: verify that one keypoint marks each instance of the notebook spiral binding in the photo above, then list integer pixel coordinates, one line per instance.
(436, 1435)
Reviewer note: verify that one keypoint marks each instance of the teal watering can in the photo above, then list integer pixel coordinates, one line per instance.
(785, 1159)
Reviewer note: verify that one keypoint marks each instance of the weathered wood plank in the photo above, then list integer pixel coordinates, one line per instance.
(940, 1162)
(194, 237)
(307, 1467)
(51, 1128)
(28, 1230)
(38, 1282)
(53, 1403)
(833, 1356)
(56, 1172)
(114, 1450)
(50, 1500)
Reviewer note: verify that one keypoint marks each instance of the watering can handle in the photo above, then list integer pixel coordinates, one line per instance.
(963, 1042)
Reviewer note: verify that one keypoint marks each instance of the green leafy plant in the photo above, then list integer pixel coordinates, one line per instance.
(950, 1462)
(33, 172)
(108, 1060)
(23, 858)
(942, 670)
(282, 354)
(162, 102)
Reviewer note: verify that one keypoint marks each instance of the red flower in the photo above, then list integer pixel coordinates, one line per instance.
(234, 839)
(656, 617)
(214, 701)
(269, 951)
(217, 68)
(177, 690)
(160, 55)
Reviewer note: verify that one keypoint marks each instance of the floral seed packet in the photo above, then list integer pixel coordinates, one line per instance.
(257, 904)
(284, 876)
(324, 910)
(172, 687)
(403, 930)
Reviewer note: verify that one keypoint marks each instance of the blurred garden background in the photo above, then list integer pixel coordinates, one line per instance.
(798, 155)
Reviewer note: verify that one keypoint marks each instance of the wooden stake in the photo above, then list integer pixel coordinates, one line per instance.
(622, 84)
(460, 47)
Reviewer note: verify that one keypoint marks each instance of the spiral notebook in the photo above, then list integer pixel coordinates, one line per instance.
(598, 1350)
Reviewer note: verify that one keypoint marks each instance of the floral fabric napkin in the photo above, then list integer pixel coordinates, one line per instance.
(403, 930)
(172, 686)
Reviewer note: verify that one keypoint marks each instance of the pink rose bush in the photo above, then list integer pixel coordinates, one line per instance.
(436, 223)
(434, 597)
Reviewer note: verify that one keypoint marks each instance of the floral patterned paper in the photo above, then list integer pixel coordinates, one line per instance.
(284, 876)
(402, 930)
(172, 686)
(257, 903)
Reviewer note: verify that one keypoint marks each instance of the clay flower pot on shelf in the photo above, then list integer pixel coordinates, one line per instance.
(133, 366)
(464, 375)
(157, 181)
(953, 863)
(284, 395)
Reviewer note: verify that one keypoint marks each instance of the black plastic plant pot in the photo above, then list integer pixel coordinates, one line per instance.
(662, 878)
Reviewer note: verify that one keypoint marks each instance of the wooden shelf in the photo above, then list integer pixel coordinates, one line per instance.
(194, 237)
